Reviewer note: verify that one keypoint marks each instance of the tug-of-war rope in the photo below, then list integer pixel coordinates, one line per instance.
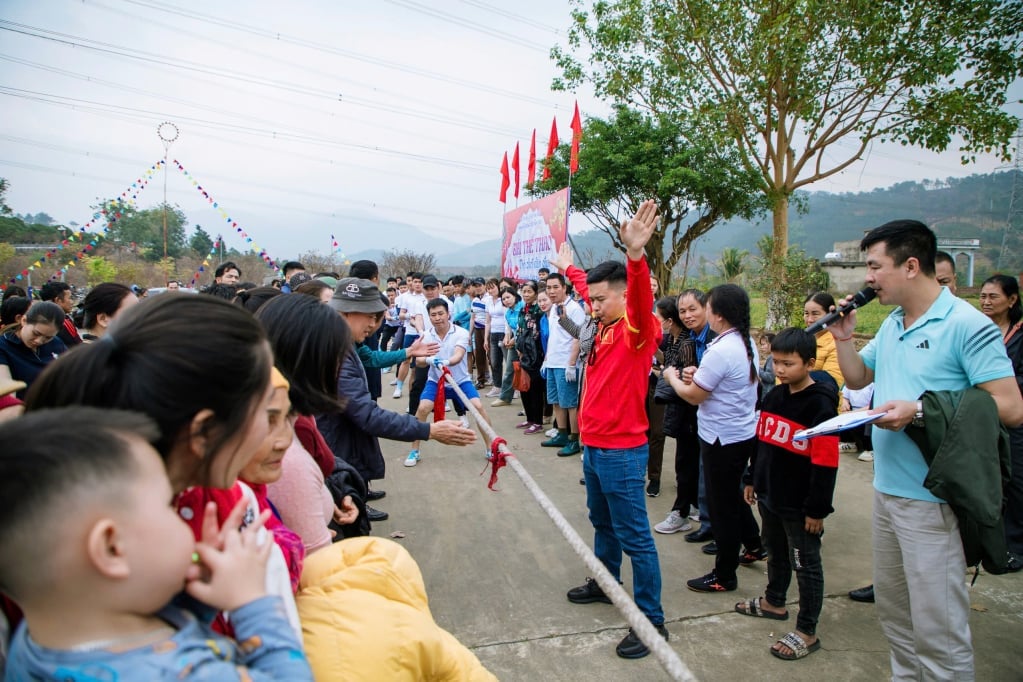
(500, 456)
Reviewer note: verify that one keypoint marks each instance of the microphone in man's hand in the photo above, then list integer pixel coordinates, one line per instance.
(860, 298)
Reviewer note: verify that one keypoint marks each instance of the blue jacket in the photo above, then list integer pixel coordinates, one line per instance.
(352, 433)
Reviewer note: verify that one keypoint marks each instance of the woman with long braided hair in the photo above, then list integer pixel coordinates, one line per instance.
(725, 386)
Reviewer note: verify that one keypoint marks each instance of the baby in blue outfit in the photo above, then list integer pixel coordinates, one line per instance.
(94, 552)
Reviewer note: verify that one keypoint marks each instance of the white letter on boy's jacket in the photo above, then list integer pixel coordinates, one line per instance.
(782, 433)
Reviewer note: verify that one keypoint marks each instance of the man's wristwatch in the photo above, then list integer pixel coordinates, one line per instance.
(918, 418)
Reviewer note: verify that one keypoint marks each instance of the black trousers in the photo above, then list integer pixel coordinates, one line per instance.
(534, 399)
(732, 518)
(687, 468)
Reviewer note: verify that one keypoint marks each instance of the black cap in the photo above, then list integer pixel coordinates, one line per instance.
(430, 281)
(298, 279)
(354, 295)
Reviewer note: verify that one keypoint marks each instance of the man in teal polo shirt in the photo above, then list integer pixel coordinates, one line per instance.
(932, 341)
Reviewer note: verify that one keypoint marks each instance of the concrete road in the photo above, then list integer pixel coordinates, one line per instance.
(497, 570)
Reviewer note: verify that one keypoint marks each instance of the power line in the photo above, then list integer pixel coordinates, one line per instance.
(514, 17)
(305, 68)
(467, 23)
(348, 54)
(148, 57)
(229, 112)
(103, 106)
(234, 179)
(248, 202)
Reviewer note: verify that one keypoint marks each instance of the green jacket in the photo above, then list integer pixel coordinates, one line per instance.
(967, 451)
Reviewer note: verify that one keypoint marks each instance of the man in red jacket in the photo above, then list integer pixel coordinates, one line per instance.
(613, 424)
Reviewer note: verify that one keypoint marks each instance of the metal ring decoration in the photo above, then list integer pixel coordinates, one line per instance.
(167, 131)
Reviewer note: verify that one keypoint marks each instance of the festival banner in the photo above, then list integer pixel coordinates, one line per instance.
(533, 233)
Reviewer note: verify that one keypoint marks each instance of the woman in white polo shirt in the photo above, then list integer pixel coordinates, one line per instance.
(725, 388)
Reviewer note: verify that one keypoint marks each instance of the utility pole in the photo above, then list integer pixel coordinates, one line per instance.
(1015, 216)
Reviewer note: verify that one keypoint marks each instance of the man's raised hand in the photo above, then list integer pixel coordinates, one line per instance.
(563, 258)
(635, 233)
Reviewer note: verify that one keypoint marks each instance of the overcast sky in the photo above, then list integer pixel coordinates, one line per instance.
(302, 119)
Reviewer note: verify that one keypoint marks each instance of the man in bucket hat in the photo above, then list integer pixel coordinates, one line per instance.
(352, 433)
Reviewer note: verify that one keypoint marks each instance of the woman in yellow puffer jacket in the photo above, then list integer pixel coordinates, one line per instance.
(815, 307)
(365, 616)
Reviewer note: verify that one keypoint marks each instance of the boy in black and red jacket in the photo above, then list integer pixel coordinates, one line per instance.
(793, 482)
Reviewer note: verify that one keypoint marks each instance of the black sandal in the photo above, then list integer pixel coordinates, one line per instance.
(751, 607)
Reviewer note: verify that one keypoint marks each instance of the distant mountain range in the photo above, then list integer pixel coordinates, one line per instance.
(975, 206)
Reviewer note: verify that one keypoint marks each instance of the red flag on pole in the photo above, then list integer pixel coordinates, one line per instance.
(515, 167)
(577, 134)
(552, 145)
(531, 166)
(505, 182)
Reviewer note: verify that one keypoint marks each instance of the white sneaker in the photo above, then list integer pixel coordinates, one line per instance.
(397, 393)
(551, 433)
(394, 382)
(447, 408)
(412, 459)
(848, 447)
(675, 523)
(464, 421)
(866, 456)
(494, 393)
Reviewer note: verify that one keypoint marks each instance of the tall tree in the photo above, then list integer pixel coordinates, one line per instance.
(694, 175)
(5, 210)
(732, 262)
(201, 242)
(400, 262)
(145, 228)
(98, 269)
(804, 86)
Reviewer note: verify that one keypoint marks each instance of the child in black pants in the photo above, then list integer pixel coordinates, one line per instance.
(793, 482)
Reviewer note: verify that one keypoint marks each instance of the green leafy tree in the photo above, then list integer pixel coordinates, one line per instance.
(7, 252)
(98, 269)
(42, 218)
(694, 175)
(5, 210)
(166, 267)
(145, 229)
(798, 277)
(804, 86)
(201, 242)
(732, 263)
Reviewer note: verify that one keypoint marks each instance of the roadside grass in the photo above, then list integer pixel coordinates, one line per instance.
(868, 318)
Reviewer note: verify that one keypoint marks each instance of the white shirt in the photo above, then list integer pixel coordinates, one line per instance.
(414, 304)
(858, 397)
(455, 338)
(729, 413)
(496, 311)
(559, 343)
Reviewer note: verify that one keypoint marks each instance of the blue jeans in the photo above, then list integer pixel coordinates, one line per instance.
(617, 504)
